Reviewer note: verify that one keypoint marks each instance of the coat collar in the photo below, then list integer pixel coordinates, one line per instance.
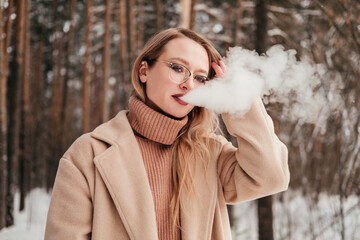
(122, 169)
(115, 130)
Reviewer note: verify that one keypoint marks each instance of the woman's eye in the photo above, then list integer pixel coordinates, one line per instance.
(178, 68)
(201, 79)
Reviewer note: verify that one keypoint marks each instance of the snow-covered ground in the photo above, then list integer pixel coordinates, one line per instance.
(295, 218)
(30, 223)
(299, 218)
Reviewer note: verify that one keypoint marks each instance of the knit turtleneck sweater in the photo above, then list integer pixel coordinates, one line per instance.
(155, 133)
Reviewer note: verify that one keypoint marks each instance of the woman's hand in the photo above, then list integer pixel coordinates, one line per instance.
(220, 69)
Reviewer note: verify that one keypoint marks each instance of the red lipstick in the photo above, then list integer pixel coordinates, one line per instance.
(177, 98)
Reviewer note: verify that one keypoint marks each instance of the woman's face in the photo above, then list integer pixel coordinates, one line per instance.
(162, 92)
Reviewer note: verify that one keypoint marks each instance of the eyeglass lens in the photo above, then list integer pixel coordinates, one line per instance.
(180, 74)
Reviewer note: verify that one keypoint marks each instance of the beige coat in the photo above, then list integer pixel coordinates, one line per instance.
(102, 192)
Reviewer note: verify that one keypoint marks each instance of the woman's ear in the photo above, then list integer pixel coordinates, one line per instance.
(143, 71)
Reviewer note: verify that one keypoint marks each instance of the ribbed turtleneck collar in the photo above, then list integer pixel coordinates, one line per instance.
(152, 124)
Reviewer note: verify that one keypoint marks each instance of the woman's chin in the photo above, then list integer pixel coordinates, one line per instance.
(177, 114)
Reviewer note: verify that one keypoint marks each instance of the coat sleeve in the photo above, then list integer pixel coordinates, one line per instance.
(70, 212)
(259, 166)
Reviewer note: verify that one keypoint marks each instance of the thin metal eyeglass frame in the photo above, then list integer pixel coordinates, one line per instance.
(185, 78)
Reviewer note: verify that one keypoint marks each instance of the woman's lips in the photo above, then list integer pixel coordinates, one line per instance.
(176, 97)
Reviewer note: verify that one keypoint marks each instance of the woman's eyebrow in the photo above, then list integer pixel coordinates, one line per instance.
(184, 62)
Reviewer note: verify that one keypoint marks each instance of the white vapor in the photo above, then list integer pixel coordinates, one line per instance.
(277, 75)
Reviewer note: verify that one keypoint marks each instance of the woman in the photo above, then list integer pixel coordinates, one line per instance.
(159, 171)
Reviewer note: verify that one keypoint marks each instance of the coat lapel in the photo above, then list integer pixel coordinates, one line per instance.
(122, 169)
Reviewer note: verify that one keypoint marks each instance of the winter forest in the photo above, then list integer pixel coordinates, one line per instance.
(65, 68)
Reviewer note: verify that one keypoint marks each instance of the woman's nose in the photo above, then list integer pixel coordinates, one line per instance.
(188, 84)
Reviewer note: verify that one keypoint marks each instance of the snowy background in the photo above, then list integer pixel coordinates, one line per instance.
(325, 157)
(294, 218)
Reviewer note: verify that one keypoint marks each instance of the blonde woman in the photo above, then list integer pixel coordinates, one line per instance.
(158, 170)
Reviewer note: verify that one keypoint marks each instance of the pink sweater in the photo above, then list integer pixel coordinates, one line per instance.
(155, 133)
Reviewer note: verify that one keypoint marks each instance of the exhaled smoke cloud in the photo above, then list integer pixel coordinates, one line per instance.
(301, 87)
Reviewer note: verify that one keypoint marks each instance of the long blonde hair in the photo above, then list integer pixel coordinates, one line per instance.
(192, 143)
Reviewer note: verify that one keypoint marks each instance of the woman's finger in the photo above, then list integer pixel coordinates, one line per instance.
(218, 70)
(223, 66)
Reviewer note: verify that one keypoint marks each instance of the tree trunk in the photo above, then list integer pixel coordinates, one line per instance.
(96, 89)
(265, 215)
(132, 30)
(4, 44)
(119, 99)
(261, 26)
(159, 15)
(192, 14)
(265, 218)
(86, 74)
(140, 25)
(237, 23)
(65, 112)
(3, 129)
(8, 33)
(229, 19)
(39, 118)
(106, 60)
(124, 59)
(26, 120)
(185, 18)
(56, 99)
(14, 108)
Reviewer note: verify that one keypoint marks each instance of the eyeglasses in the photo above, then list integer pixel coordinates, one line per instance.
(178, 73)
